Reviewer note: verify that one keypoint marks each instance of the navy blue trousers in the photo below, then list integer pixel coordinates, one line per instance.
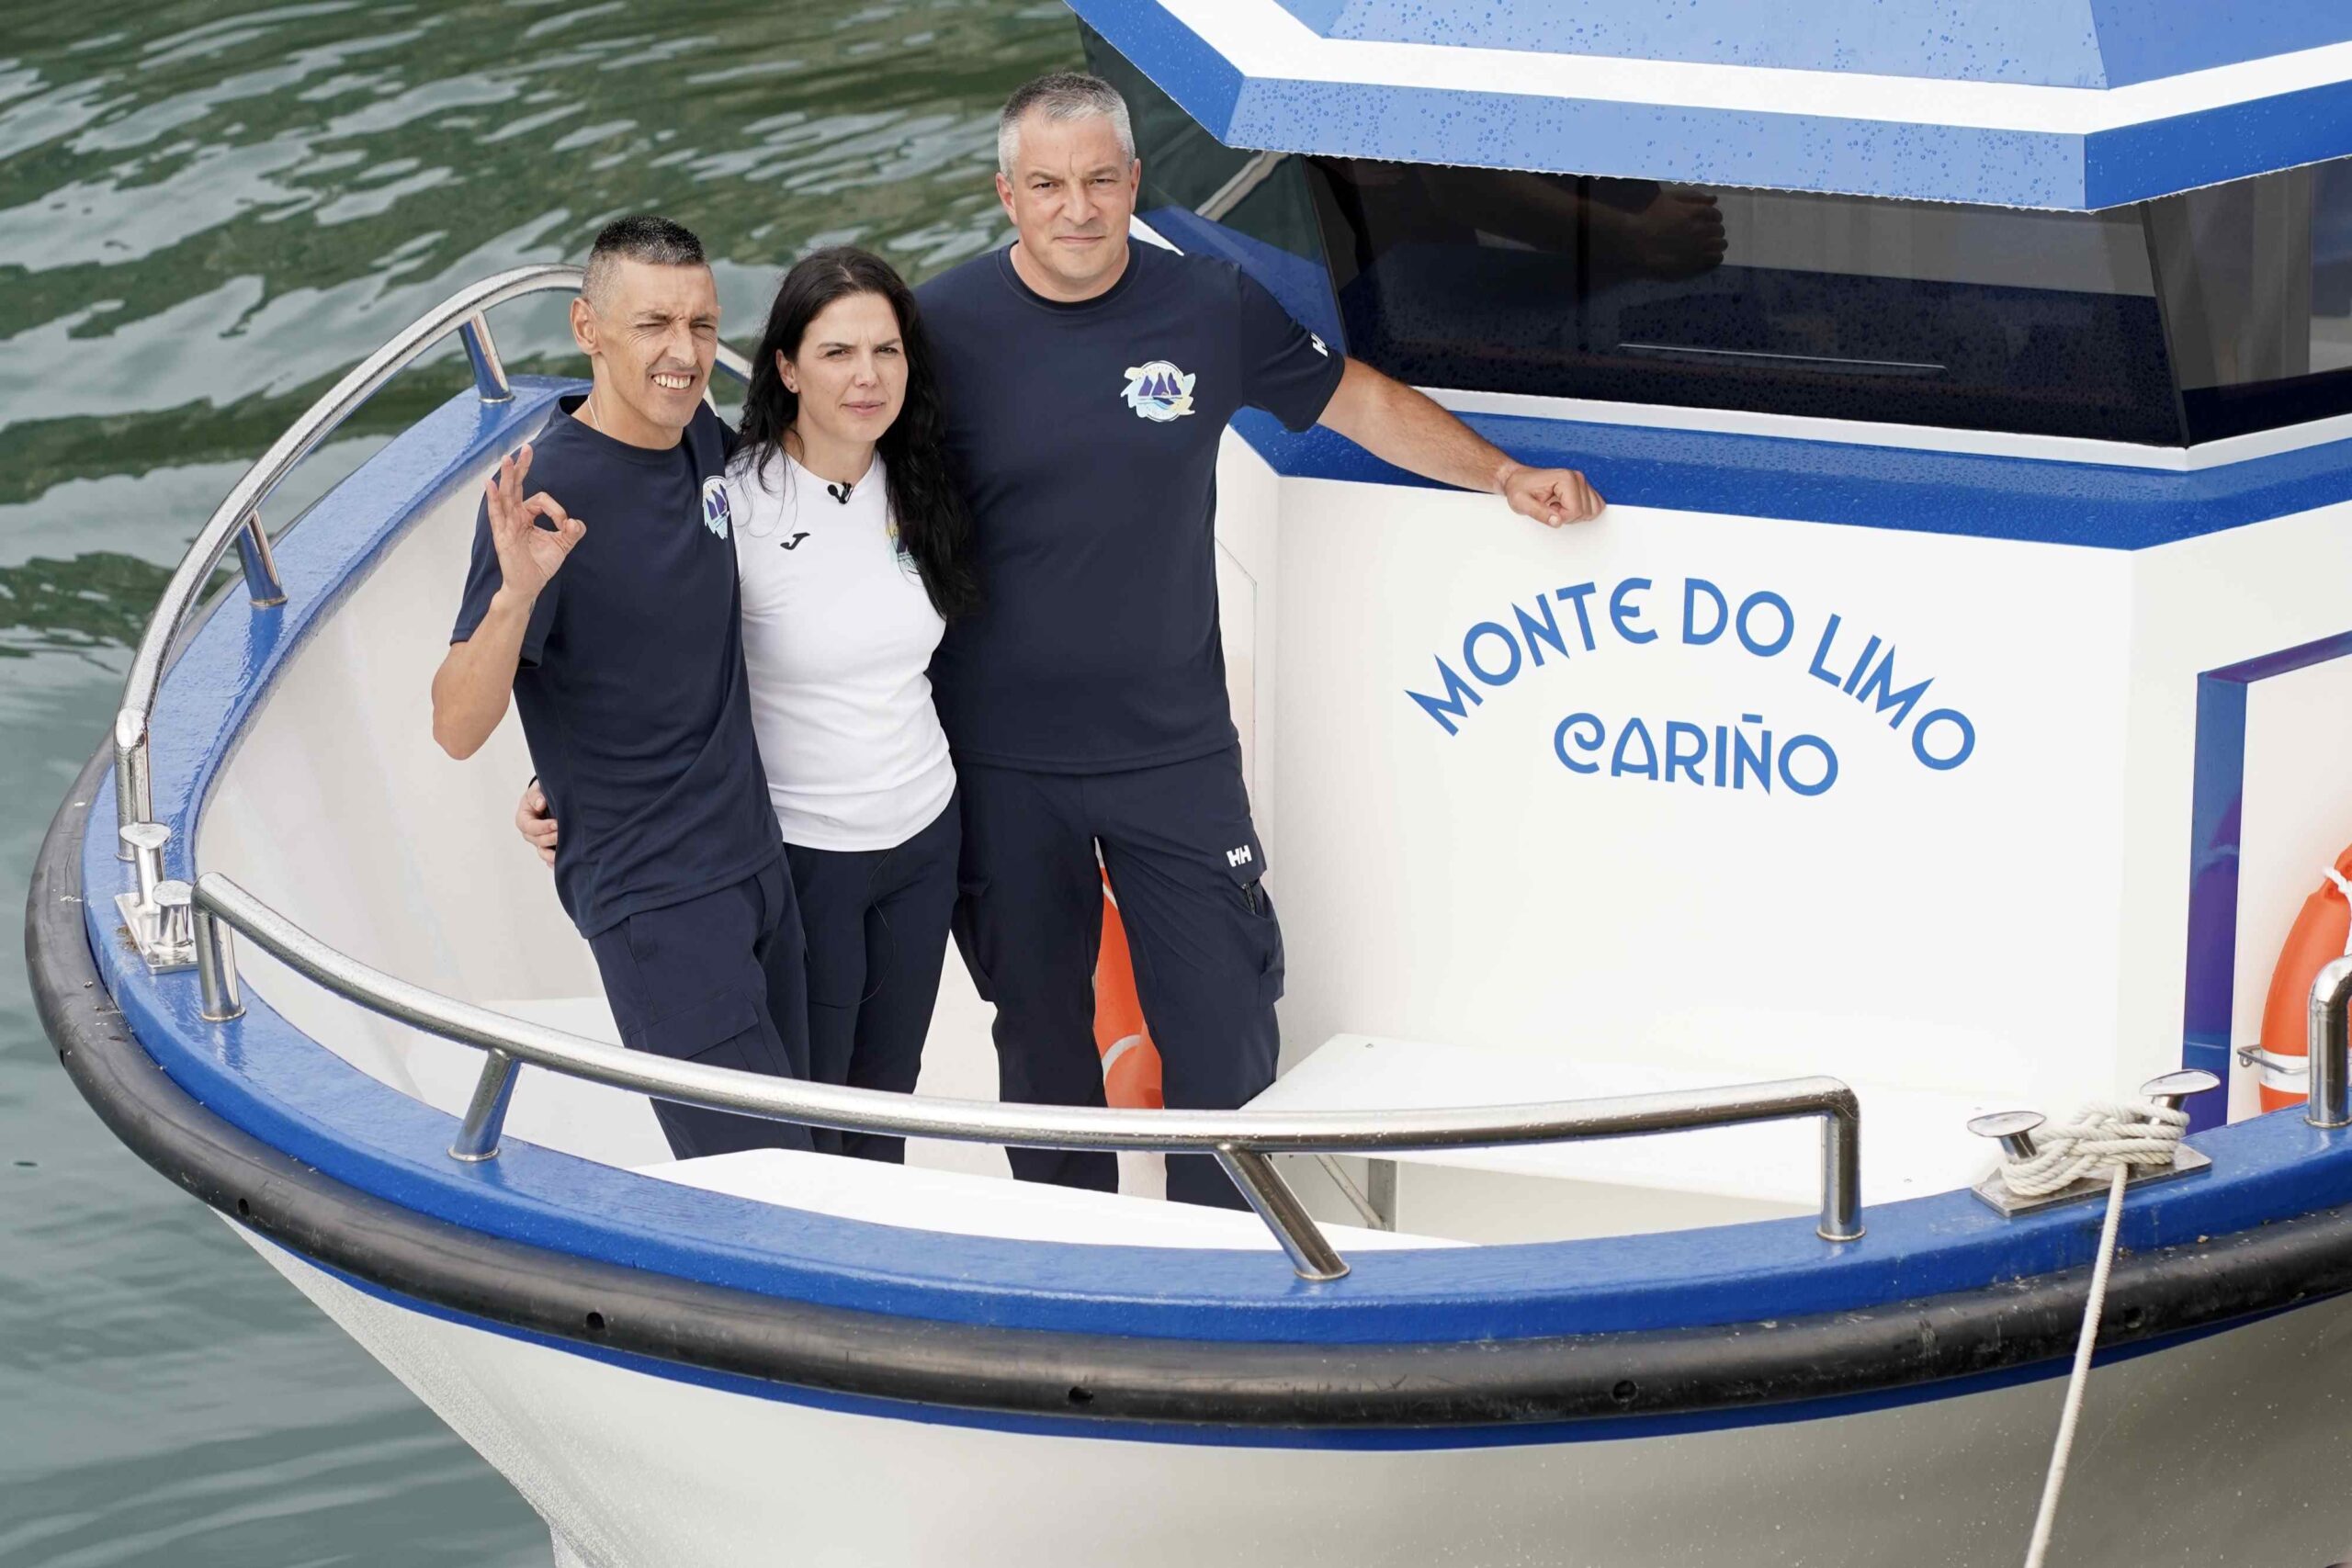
(877, 921)
(720, 979)
(1185, 861)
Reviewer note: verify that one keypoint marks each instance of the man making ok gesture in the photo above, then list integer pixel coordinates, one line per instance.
(604, 601)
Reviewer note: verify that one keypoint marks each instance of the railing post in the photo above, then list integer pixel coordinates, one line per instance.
(145, 841)
(481, 352)
(2326, 1040)
(1311, 1254)
(1380, 1187)
(1842, 1172)
(133, 795)
(485, 1119)
(216, 968)
(262, 584)
(175, 930)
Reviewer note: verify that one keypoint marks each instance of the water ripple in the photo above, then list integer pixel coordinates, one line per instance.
(204, 219)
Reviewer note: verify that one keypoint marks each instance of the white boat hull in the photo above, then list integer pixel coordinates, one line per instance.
(2230, 1448)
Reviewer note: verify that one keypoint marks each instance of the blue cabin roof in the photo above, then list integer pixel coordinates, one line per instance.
(2063, 104)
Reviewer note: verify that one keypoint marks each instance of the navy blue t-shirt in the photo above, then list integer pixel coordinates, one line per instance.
(1085, 437)
(631, 685)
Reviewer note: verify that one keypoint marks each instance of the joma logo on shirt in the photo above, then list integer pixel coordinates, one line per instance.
(1159, 391)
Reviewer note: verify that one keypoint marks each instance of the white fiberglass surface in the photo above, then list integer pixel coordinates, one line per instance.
(2006, 926)
(634, 1471)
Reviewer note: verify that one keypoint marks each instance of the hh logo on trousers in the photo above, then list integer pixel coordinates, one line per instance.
(1237, 858)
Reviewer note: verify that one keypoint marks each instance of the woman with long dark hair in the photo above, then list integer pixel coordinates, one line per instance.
(849, 541)
(849, 536)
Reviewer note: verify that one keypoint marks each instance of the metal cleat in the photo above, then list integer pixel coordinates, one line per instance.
(157, 915)
(2015, 1130)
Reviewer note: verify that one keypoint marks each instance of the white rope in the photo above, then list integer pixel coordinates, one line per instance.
(2140, 1134)
(2101, 1137)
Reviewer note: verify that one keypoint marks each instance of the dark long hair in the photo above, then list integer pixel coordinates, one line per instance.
(923, 498)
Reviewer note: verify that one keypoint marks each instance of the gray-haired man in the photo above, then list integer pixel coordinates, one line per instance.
(1087, 383)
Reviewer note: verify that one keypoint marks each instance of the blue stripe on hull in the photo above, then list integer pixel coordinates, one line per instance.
(2027, 500)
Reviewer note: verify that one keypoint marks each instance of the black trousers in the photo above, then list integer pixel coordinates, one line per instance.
(1185, 861)
(877, 923)
(720, 979)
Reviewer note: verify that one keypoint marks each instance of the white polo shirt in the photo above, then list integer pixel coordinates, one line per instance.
(838, 635)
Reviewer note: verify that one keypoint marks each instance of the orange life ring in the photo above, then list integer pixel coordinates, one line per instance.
(1130, 1061)
(2322, 934)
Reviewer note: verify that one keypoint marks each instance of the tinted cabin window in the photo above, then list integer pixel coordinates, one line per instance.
(1851, 307)
(2200, 316)
(2257, 281)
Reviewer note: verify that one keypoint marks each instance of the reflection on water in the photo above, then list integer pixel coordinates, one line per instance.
(207, 213)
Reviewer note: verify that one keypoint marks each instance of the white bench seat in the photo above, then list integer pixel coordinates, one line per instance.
(1913, 1142)
(963, 1204)
(619, 1127)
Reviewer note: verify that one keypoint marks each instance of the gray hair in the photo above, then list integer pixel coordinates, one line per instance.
(1063, 95)
(641, 237)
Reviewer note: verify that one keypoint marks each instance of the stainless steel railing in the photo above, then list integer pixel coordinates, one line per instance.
(1240, 1140)
(2327, 1043)
(237, 520)
(180, 926)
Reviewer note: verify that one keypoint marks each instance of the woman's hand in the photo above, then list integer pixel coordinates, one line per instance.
(533, 821)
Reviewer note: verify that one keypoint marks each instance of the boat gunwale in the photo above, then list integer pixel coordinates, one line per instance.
(1554, 1386)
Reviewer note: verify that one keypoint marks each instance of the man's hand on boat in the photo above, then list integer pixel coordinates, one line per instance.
(528, 555)
(1400, 425)
(1551, 496)
(534, 821)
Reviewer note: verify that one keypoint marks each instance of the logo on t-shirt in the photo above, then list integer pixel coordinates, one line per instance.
(1159, 391)
(716, 512)
(899, 554)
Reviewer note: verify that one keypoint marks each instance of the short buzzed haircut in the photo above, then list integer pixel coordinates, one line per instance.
(640, 237)
(1064, 94)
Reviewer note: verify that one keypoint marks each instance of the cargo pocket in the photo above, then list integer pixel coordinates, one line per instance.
(1246, 866)
(965, 925)
(1271, 970)
(691, 1032)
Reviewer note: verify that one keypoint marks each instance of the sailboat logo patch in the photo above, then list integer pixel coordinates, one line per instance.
(717, 513)
(1159, 391)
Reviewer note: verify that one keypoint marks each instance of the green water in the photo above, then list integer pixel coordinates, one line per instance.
(206, 214)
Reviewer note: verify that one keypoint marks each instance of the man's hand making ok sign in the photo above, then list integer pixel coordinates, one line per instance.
(477, 676)
(528, 555)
